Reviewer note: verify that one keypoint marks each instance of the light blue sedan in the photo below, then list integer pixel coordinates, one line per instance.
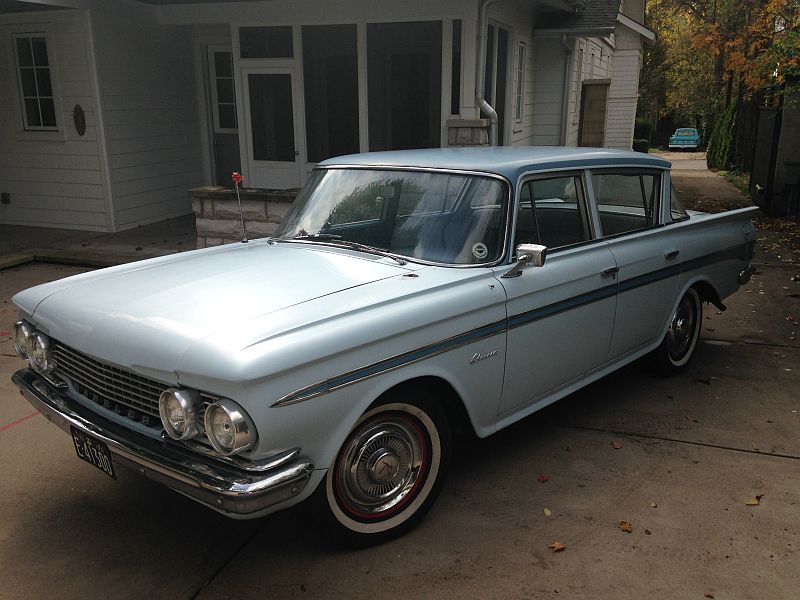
(406, 296)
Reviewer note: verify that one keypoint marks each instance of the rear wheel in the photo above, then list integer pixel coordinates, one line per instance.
(680, 341)
(387, 473)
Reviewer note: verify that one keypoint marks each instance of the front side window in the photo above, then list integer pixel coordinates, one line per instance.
(35, 82)
(626, 201)
(445, 218)
(552, 212)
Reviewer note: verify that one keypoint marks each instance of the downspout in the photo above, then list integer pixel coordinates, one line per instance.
(480, 76)
(567, 84)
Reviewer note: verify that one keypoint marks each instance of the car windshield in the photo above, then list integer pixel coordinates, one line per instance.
(686, 132)
(437, 217)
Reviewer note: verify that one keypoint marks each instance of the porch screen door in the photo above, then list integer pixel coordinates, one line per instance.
(273, 139)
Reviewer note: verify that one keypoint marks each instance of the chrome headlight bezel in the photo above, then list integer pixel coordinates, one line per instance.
(21, 332)
(190, 404)
(239, 423)
(39, 351)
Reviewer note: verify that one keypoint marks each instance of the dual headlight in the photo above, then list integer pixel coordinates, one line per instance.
(34, 347)
(183, 414)
(226, 425)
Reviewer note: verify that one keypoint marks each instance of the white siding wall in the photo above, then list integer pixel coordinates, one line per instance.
(591, 59)
(148, 94)
(548, 59)
(624, 92)
(55, 179)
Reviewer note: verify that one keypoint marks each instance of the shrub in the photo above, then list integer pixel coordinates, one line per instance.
(641, 145)
(641, 130)
(719, 145)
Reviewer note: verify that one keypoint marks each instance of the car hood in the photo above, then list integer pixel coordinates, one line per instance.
(167, 304)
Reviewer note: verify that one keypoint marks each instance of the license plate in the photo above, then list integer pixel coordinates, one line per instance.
(93, 451)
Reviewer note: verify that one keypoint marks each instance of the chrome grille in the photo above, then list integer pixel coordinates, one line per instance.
(126, 393)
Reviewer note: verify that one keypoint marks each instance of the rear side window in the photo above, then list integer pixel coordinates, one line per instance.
(676, 206)
(552, 212)
(626, 201)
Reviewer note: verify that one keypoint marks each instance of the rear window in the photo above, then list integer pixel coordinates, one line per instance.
(686, 132)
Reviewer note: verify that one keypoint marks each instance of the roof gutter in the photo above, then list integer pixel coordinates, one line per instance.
(480, 76)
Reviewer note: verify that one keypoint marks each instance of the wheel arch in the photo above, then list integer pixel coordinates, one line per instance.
(707, 292)
(444, 393)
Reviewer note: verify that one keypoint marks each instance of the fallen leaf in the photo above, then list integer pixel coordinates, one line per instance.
(543, 478)
(754, 501)
(547, 512)
(616, 445)
(753, 444)
(647, 532)
(653, 504)
(625, 526)
(790, 318)
(708, 595)
(706, 381)
(557, 547)
(690, 418)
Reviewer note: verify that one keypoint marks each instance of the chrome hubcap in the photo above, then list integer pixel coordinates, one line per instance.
(681, 329)
(380, 465)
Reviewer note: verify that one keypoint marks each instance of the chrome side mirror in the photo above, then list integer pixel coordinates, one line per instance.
(527, 254)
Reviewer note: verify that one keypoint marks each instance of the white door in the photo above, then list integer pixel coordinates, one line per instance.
(273, 133)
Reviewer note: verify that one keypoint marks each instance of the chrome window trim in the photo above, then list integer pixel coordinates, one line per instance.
(658, 216)
(588, 206)
(509, 200)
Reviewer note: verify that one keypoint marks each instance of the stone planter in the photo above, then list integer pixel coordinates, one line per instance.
(216, 213)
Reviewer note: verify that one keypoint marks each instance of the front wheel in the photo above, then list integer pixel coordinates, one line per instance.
(386, 475)
(677, 348)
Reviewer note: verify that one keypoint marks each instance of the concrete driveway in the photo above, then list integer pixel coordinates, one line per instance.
(678, 459)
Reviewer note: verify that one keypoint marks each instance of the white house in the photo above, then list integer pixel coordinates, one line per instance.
(111, 109)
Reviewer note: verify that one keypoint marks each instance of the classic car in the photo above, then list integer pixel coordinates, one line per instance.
(685, 138)
(406, 296)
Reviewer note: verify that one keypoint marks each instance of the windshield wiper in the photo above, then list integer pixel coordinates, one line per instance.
(316, 236)
(336, 240)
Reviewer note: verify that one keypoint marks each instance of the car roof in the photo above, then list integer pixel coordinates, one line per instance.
(509, 161)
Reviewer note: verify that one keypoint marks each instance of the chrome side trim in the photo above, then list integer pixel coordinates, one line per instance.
(389, 364)
(510, 322)
(215, 483)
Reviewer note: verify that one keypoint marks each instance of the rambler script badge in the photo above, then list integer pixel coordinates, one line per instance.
(479, 356)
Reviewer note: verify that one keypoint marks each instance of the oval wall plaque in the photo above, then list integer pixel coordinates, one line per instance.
(79, 119)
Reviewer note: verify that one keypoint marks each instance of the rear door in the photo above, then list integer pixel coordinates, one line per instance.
(629, 204)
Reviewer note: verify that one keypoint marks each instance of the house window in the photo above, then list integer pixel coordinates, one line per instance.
(223, 95)
(35, 83)
(519, 82)
(455, 72)
(496, 75)
(266, 42)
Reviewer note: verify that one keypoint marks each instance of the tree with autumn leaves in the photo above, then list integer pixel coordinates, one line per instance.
(716, 56)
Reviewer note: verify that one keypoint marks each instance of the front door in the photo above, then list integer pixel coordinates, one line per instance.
(224, 125)
(274, 140)
(560, 315)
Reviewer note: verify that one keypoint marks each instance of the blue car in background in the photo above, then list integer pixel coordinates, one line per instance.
(685, 138)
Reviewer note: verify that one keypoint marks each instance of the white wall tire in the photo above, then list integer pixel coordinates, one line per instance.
(387, 473)
(680, 339)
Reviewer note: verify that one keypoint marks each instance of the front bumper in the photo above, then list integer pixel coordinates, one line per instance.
(224, 485)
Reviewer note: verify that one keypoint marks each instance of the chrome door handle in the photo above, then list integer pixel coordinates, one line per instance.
(610, 271)
(671, 254)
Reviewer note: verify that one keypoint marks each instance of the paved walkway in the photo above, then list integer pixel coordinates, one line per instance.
(20, 244)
